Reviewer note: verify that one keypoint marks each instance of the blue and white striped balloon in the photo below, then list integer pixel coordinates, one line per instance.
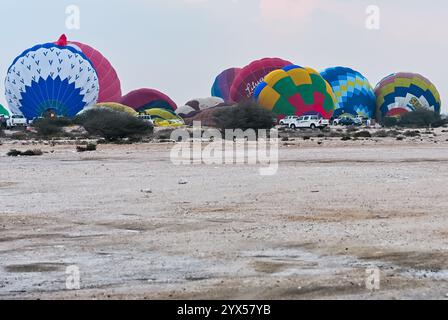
(51, 78)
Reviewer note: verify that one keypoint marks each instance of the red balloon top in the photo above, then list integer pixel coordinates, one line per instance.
(110, 85)
(62, 42)
(250, 76)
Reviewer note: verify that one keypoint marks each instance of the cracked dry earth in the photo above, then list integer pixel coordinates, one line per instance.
(226, 232)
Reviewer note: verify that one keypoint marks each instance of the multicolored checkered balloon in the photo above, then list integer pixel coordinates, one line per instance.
(295, 90)
(402, 92)
(353, 92)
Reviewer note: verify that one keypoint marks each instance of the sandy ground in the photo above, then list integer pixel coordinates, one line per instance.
(122, 216)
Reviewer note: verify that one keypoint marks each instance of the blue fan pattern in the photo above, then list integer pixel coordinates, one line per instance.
(48, 77)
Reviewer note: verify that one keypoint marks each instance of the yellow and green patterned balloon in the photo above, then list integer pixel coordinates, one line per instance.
(297, 91)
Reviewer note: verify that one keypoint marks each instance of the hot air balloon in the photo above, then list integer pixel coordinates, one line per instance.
(110, 86)
(400, 93)
(298, 91)
(353, 92)
(51, 78)
(164, 117)
(3, 111)
(223, 82)
(143, 99)
(250, 76)
(194, 106)
(207, 117)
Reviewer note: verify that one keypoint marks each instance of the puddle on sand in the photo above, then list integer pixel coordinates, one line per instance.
(35, 267)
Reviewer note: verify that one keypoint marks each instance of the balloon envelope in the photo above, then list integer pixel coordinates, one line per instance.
(164, 117)
(51, 78)
(223, 83)
(192, 107)
(250, 76)
(206, 116)
(110, 86)
(3, 111)
(143, 99)
(402, 92)
(353, 92)
(298, 91)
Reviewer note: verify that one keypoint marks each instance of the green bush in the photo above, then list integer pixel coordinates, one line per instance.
(362, 134)
(410, 133)
(390, 122)
(381, 134)
(441, 122)
(245, 115)
(88, 147)
(16, 153)
(49, 127)
(113, 125)
(21, 135)
(419, 118)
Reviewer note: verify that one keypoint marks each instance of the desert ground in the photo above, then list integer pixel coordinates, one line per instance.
(139, 227)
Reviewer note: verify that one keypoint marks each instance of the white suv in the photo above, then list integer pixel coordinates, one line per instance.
(287, 120)
(311, 122)
(16, 120)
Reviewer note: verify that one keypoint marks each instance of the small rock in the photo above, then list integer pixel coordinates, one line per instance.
(146, 191)
(181, 181)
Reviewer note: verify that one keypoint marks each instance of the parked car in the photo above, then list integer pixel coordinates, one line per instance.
(15, 121)
(350, 122)
(146, 118)
(311, 122)
(287, 120)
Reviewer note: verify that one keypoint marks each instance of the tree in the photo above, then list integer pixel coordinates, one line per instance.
(113, 125)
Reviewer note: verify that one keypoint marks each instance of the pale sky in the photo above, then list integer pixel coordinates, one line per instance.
(179, 46)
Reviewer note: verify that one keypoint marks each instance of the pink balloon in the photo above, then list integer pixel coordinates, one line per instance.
(249, 77)
(143, 99)
(110, 86)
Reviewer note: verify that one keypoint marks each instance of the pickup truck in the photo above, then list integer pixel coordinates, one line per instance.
(15, 121)
(312, 122)
(287, 120)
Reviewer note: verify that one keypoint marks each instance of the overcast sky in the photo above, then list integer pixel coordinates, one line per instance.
(179, 46)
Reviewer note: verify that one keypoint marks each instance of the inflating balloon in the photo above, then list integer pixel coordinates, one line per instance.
(162, 114)
(51, 78)
(223, 83)
(192, 107)
(164, 117)
(143, 99)
(206, 117)
(250, 76)
(353, 92)
(400, 93)
(298, 91)
(110, 86)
